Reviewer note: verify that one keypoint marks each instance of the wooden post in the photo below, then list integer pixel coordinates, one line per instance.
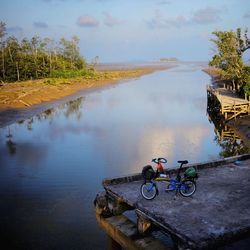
(101, 205)
(107, 205)
(17, 70)
(112, 244)
(143, 224)
(234, 111)
(233, 86)
(180, 245)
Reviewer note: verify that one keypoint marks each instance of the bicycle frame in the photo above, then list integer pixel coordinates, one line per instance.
(186, 187)
(174, 184)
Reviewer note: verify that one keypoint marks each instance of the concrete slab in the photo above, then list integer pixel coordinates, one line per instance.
(125, 233)
(218, 212)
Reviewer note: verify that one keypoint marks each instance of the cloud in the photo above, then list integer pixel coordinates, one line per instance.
(207, 15)
(14, 29)
(87, 21)
(110, 20)
(164, 2)
(40, 25)
(50, 1)
(64, 1)
(159, 21)
(247, 15)
(201, 16)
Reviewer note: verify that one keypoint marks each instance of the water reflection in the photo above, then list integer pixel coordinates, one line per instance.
(32, 152)
(10, 144)
(52, 164)
(226, 136)
(71, 108)
(25, 152)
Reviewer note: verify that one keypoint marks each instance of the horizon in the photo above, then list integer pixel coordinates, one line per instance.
(120, 32)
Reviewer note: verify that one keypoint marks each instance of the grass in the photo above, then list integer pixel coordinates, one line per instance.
(85, 73)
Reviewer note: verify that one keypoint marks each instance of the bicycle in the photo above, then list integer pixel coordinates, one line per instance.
(186, 186)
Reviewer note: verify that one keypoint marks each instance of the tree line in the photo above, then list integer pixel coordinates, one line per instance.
(230, 46)
(37, 58)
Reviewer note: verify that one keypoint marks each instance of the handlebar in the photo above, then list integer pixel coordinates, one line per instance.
(159, 160)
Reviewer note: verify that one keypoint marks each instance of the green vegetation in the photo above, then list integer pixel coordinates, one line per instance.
(231, 147)
(228, 58)
(73, 73)
(40, 58)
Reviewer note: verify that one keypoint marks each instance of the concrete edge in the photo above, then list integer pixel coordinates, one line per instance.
(199, 166)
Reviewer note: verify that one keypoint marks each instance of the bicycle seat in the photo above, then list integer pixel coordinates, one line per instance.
(183, 162)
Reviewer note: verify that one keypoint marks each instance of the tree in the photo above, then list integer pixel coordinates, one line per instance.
(246, 86)
(71, 53)
(95, 61)
(243, 42)
(228, 57)
(2, 45)
(39, 58)
(26, 66)
(13, 58)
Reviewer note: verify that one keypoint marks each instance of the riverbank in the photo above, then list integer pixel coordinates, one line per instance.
(241, 124)
(28, 93)
(214, 74)
(21, 100)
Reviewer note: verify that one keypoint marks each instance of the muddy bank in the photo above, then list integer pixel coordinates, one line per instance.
(214, 74)
(21, 100)
(27, 93)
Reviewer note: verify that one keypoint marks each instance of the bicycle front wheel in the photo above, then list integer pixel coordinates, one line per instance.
(148, 190)
(187, 188)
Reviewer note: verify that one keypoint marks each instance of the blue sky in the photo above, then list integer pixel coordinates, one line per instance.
(128, 30)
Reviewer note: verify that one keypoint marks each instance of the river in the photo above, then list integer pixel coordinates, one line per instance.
(52, 164)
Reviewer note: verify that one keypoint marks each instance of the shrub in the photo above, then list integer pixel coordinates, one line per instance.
(73, 73)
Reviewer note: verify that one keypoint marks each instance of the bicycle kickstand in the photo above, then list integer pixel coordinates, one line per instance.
(176, 192)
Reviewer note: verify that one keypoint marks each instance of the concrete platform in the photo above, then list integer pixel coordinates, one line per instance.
(218, 213)
(124, 232)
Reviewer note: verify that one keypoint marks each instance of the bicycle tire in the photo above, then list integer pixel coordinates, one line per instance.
(187, 188)
(146, 193)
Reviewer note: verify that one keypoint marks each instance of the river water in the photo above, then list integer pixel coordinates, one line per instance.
(52, 164)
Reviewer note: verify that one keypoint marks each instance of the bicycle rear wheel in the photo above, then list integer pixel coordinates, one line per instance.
(148, 190)
(187, 188)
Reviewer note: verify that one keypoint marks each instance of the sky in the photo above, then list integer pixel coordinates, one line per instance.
(128, 30)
